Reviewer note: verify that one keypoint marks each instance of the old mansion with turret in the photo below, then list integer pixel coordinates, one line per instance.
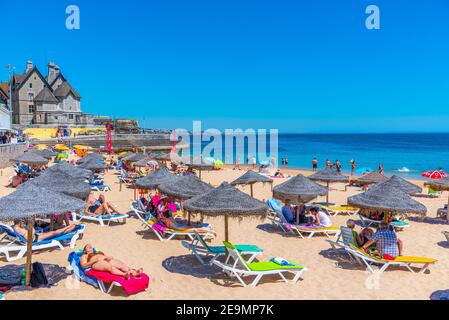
(46, 101)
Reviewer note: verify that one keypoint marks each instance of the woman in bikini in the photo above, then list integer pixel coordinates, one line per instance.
(37, 237)
(99, 261)
(99, 206)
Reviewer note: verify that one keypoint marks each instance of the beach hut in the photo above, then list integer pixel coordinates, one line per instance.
(31, 201)
(200, 164)
(31, 159)
(370, 178)
(250, 178)
(440, 185)
(70, 170)
(61, 182)
(154, 179)
(299, 190)
(227, 201)
(328, 175)
(387, 198)
(92, 165)
(402, 184)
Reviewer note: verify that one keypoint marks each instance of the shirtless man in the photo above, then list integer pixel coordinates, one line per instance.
(99, 206)
(101, 262)
(20, 229)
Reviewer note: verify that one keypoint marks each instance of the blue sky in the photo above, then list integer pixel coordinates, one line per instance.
(298, 66)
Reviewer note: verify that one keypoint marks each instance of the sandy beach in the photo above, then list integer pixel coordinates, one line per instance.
(175, 274)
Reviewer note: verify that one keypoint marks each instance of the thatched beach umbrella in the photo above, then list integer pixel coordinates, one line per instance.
(141, 163)
(154, 179)
(328, 175)
(123, 156)
(47, 154)
(89, 157)
(161, 157)
(31, 158)
(250, 178)
(31, 201)
(388, 198)
(227, 201)
(370, 178)
(200, 164)
(299, 190)
(135, 157)
(440, 185)
(402, 185)
(185, 187)
(70, 170)
(61, 182)
(92, 165)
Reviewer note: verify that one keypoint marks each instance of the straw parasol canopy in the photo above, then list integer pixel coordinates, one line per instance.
(250, 178)
(370, 178)
(31, 201)
(185, 187)
(440, 185)
(70, 170)
(123, 156)
(299, 190)
(31, 158)
(227, 201)
(402, 185)
(200, 164)
(154, 179)
(328, 175)
(387, 197)
(135, 157)
(161, 156)
(92, 165)
(47, 154)
(92, 156)
(142, 163)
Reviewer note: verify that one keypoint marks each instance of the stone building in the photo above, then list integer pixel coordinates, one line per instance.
(46, 101)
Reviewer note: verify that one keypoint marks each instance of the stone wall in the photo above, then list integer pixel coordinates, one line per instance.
(8, 151)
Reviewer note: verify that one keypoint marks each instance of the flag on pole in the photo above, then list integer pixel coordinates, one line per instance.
(108, 137)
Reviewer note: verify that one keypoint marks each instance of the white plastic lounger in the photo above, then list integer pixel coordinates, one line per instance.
(403, 261)
(170, 233)
(102, 220)
(100, 187)
(301, 231)
(335, 210)
(202, 250)
(366, 222)
(241, 268)
(13, 242)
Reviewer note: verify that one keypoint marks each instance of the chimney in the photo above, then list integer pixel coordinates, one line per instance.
(51, 72)
(29, 66)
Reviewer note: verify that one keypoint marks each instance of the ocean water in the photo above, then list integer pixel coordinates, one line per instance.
(407, 155)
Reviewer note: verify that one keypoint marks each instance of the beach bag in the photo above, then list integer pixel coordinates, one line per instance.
(38, 277)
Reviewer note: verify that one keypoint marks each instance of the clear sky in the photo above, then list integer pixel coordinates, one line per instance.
(299, 66)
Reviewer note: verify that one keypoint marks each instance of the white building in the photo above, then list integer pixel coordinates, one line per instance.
(5, 114)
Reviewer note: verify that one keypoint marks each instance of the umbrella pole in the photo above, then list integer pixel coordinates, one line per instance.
(327, 194)
(226, 229)
(447, 213)
(29, 251)
(200, 174)
(188, 218)
(251, 186)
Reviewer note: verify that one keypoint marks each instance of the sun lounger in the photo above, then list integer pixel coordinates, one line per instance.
(99, 187)
(13, 242)
(344, 238)
(442, 213)
(161, 232)
(102, 220)
(403, 261)
(310, 231)
(367, 222)
(202, 250)
(100, 279)
(240, 267)
(334, 210)
(138, 207)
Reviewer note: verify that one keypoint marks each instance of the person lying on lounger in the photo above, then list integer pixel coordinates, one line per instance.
(97, 260)
(99, 206)
(21, 229)
(320, 218)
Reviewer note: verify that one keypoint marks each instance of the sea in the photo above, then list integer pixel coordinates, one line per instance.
(407, 155)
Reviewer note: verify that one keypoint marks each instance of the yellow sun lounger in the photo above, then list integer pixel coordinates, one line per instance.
(403, 261)
(311, 231)
(334, 210)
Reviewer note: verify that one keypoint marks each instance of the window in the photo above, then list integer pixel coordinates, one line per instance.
(31, 108)
(30, 96)
(70, 116)
(31, 85)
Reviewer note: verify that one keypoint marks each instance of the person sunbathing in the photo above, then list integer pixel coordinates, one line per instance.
(99, 206)
(20, 228)
(320, 218)
(98, 261)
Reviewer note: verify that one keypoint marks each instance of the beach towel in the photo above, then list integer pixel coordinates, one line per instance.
(281, 261)
(155, 200)
(131, 286)
(158, 227)
(172, 207)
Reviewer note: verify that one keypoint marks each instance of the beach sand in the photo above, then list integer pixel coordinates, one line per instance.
(177, 275)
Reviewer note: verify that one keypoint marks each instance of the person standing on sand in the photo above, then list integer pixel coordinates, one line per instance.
(353, 166)
(381, 168)
(338, 166)
(329, 163)
(237, 164)
(314, 164)
(253, 162)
